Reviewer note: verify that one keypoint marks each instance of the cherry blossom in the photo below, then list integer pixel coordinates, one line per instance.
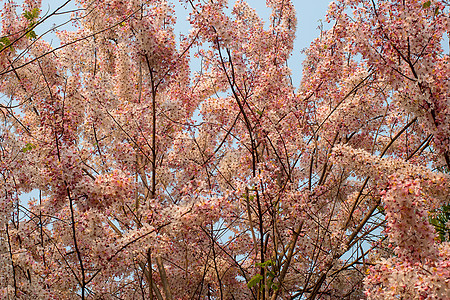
(152, 179)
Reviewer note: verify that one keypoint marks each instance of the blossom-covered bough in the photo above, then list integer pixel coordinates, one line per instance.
(156, 181)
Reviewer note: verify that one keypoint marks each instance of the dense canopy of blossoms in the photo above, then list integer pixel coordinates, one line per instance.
(156, 181)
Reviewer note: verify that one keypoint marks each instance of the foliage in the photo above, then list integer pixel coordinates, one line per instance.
(4, 42)
(31, 16)
(155, 181)
(439, 220)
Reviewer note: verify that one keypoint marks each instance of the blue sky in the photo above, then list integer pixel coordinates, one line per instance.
(308, 15)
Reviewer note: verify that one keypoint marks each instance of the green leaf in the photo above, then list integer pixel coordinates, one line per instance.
(255, 280)
(439, 219)
(31, 34)
(27, 15)
(28, 146)
(265, 264)
(35, 12)
(32, 14)
(426, 4)
(275, 286)
(4, 42)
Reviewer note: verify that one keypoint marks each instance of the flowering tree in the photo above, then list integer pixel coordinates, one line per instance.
(158, 182)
